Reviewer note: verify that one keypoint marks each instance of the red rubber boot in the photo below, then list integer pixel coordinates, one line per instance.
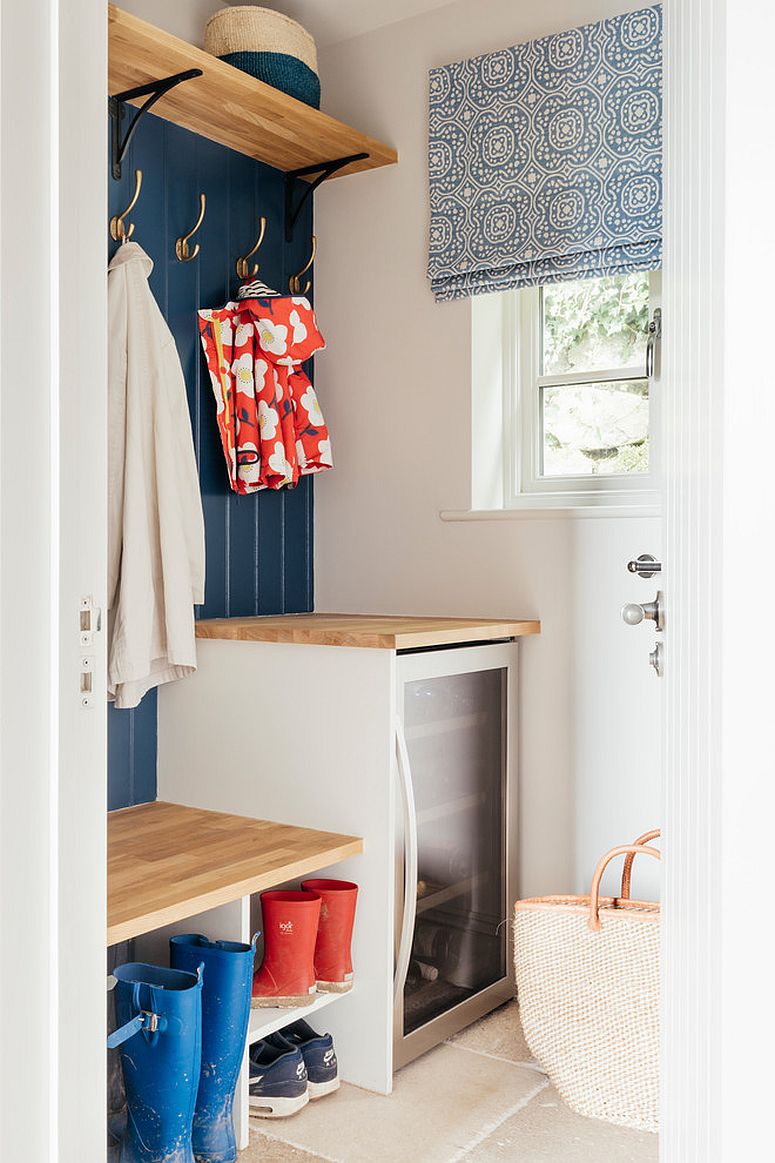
(287, 973)
(333, 958)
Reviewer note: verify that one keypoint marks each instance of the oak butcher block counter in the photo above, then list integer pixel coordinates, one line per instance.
(381, 632)
(167, 862)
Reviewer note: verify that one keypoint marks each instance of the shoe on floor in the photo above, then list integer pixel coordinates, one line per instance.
(278, 1080)
(318, 1053)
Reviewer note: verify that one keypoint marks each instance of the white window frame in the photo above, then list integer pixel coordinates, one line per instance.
(523, 486)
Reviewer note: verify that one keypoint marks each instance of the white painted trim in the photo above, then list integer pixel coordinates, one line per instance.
(560, 511)
(691, 355)
(743, 676)
(80, 245)
(52, 550)
(28, 592)
(718, 1024)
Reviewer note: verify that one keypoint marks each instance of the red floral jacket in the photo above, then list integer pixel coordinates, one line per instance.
(271, 426)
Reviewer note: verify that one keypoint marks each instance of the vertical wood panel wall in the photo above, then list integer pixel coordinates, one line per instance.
(259, 548)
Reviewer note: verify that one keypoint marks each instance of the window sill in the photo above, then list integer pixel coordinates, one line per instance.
(554, 509)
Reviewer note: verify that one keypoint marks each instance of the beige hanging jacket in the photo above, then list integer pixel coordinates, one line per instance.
(156, 529)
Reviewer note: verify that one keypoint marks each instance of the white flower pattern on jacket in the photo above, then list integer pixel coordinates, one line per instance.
(272, 337)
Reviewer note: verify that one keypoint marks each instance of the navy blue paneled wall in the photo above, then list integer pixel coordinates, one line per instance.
(259, 548)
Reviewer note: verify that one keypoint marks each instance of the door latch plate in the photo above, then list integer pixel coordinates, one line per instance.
(90, 623)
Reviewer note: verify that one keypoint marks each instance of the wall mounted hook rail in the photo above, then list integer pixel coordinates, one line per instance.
(182, 249)
(118, 229)
(242, 265)
(294, 282)
(153, 90)
(294, 205)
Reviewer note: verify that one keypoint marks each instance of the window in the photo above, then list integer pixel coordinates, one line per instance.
(578, 422)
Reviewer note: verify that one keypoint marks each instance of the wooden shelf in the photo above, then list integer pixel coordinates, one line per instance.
(229, 106)
(266, 1020)
(167, 862)
(367, 630)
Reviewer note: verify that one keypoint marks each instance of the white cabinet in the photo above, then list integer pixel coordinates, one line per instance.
(415, 751)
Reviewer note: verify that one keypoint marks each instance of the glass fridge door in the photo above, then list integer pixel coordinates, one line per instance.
(455, 732)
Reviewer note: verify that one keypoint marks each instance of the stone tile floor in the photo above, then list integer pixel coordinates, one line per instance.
(480, 1097)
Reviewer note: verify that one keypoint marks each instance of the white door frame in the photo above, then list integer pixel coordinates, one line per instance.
(718, 1026)
(52, 552)
(719, 521)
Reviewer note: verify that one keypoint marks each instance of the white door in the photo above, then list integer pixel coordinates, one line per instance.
(718, 1023)
(52, 555)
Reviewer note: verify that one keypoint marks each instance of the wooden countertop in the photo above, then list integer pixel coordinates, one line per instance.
(167, 862)
(368, 630)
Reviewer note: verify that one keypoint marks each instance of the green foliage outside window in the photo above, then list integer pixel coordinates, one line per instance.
(595, 324)
(590, 326)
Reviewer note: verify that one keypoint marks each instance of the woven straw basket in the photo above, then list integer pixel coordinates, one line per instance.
(588, 986)
(268, 45)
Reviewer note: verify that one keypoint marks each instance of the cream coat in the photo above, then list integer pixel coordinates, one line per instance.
(156, 529)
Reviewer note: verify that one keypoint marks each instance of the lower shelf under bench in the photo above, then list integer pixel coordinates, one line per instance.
(266, 1020)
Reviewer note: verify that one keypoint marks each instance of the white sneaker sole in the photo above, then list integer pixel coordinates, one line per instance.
(319, 1089)
(276, 1108)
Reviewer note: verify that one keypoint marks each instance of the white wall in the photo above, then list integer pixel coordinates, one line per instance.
(186, 20)
(395, 387)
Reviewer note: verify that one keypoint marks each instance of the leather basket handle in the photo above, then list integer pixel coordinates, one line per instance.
(654, 834)
(593, 920)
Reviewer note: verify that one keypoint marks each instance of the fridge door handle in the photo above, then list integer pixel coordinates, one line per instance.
(404, 770)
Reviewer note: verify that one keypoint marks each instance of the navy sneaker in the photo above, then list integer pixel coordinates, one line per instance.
(278, 1080)
(319, 1056)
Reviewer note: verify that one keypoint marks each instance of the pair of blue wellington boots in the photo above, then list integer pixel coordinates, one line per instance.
(182, 1036)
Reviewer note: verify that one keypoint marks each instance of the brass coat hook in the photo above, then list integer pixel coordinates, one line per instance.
(243, 266)
(182, 250)
(294, 282)
(118, 228)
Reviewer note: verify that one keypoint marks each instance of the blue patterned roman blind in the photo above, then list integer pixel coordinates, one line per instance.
(546, 160)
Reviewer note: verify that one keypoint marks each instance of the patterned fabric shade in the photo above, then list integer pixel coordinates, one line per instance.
(546, 160)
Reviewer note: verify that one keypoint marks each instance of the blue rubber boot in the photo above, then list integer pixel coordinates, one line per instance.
(228, 978)
(159, 1015)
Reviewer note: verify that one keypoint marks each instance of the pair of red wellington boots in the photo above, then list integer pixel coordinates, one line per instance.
(307, 939)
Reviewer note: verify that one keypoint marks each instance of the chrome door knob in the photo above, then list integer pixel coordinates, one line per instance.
(634, 612)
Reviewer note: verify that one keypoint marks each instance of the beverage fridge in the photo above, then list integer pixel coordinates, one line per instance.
(455, 835)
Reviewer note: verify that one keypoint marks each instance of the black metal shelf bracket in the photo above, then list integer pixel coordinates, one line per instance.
(153, 90)
(294, 178)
